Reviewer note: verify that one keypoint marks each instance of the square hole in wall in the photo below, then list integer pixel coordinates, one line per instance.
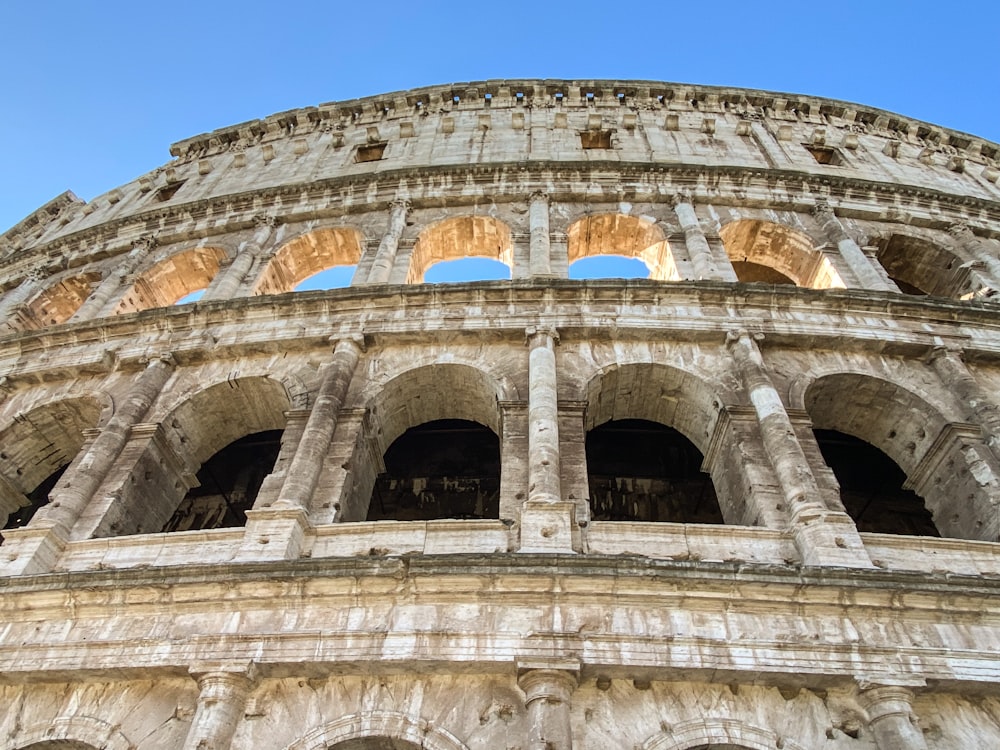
(168, 192)
(825, 155)
(595, 139)
(371, 152)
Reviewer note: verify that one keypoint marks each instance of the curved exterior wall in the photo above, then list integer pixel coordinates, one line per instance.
(784, 627)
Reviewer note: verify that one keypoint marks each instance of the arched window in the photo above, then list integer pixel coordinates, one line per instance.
(608, 267)
(458, 238)
(58, 303)
(467, 269)
(172, 279)
(762, 251)
(919, 267)
(334, 249)
(623, 236)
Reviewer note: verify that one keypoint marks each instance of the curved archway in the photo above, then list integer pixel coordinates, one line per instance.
(170, 464)
(460, 237)
(172, 279)
(57, 303)
(940, 462)
(36, 447)
(923, 268)
(665, 416)
(718, 734)
(608, 267)
(458, 397)
(627, 236)
(73, 733)
(467, 269)
(394, 731)
(762, 251)
(308, 255)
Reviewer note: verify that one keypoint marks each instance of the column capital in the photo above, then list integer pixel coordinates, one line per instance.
(166, 358)
(533, 334)
(943, 351)
(736, 335)
(265, 220)
(223, 673)
(538, 195)
(822, 209)
(357, 339)
(683, 195)
(961, 229)
(145, 243)
(400, 204)
(549, 684)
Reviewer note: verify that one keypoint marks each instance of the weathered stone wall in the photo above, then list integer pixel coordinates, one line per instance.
(541, 628)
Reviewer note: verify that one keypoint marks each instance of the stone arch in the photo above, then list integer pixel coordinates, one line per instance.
(718, 734)
(348, 732)
(942, 460)
(37, 444)
(171, 279)
(669, 396)
(773, 253)
(308, 254)
(460, 237)
(72, 733)
(919, 266)
(57, 303)
(619, 234)
(192, 432)
(417, 396)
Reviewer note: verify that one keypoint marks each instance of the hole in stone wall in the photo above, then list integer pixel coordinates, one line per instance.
(36, 499)
(871, 487)
(467, 269)
(228, 484)
(645, 471)
(447, 468)
(370, 153)
(595, 139)
(166, 193)
(825, 155)
(337, 277)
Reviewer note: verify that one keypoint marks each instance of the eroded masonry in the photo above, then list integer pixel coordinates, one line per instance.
(749, 501)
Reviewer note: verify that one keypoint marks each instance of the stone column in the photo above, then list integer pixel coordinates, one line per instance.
(221, 703)
(702, 260)
(386, 255)
(53, 523)
(823, 537)
(547, 699)
(857, 261)
(891, 719)
(232, 278)
(972, 247)
(278, 532)
(547, 522)
(21, 294)
(103, 299)
(540, 248)
(982, 410)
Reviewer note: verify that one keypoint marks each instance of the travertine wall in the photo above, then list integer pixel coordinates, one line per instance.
(542, 628)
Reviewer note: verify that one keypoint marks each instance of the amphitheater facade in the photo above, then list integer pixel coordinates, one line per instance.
(749, 502)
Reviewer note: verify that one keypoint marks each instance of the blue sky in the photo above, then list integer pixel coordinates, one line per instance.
(94, 93)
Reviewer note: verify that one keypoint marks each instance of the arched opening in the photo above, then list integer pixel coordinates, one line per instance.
(307, 256)
(428, 411)
(872, 487)
(948, 469)
(920, 267)
(461, 237)
(625, 236)
(58, 303)
(639, 470)
(608, 267)
(204, 466)
(227, 484)
(467, 269)
(35, 450)
(337, 277)
(172, 279)
(762, 251)
(447, 468)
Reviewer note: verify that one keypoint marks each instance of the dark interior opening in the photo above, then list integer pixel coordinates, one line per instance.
(871, 487)
(448, 468)
(36, 499)
(907, 288)
(751, 272)
(595, 139)
(825, 155)
(372, 152)
(229, 483)
(645, 471)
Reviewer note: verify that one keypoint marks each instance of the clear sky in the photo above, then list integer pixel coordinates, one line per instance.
(93, 94)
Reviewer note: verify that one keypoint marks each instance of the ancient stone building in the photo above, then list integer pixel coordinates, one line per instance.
(750, 501)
